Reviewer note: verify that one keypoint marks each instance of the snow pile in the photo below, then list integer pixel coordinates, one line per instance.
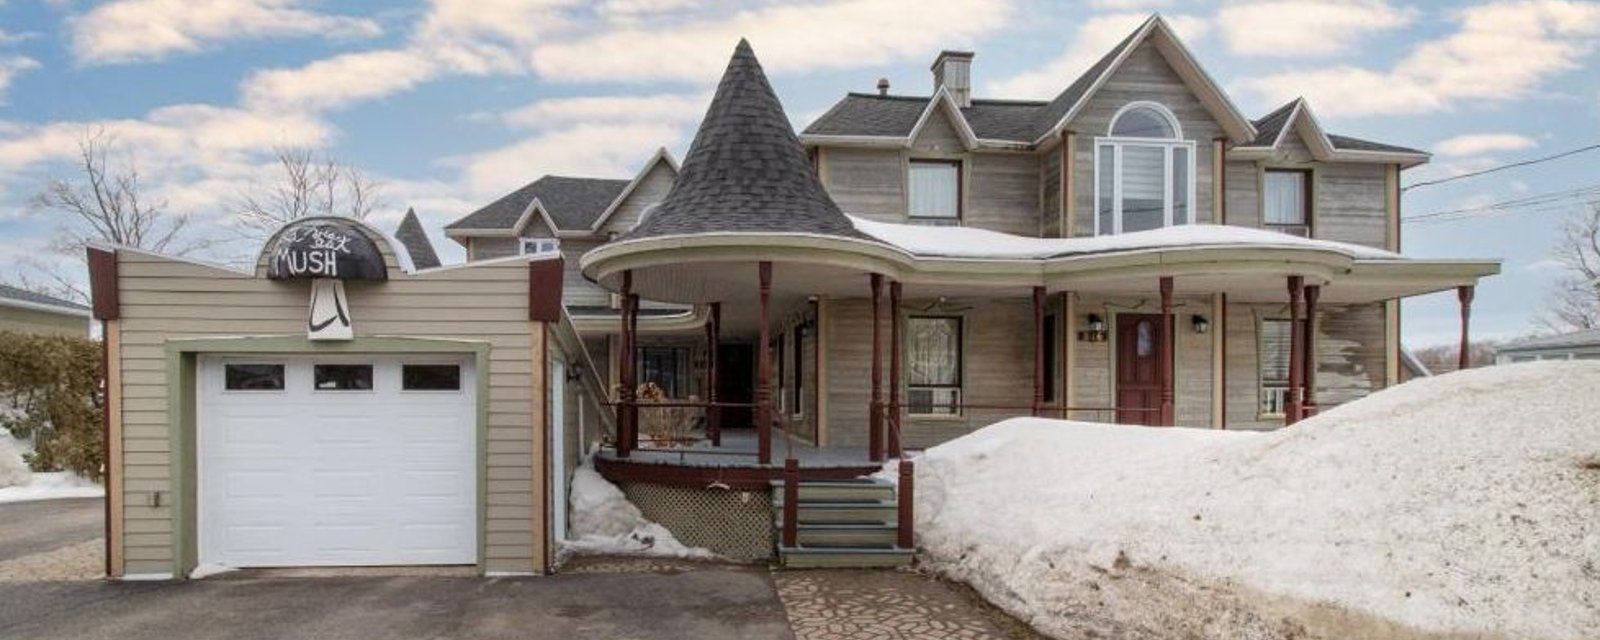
(1460, 504)
(13, 471)
(603, 522)
(968, 242)
(52, 485)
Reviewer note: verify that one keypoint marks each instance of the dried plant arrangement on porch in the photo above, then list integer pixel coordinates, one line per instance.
(668, 426)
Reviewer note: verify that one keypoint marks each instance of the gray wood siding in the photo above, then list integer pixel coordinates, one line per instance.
(1050, 194)
(938, 135)
(649, 191)
(1350, 203)
(577, 290)
(1094, 372)
(491, 248)
(164, 299)
(1350, 358)
(1003, 193)
(1144, 75)
(867, 182)
(1243, 194)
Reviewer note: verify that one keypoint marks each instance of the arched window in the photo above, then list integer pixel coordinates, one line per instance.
(1144, 171)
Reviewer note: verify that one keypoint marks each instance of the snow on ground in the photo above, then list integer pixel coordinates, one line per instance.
(1464, 504)
(603, 522)
(13, 471)
(52, 485)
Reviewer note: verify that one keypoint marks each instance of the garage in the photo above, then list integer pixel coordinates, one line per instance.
(349, 460)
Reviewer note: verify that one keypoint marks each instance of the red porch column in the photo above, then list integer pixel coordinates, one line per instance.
(625, 436)
(713, 345)
(764, 372)
(1296, 345)
(1464, 294)
(894, 370)
(1308, 407)
(875, 409)
(1167, 414)
(1038, 351)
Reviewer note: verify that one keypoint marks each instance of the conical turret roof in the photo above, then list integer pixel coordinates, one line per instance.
(746, 171)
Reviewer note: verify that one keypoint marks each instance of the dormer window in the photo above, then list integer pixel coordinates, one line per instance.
(540, 246)
(1144, 171)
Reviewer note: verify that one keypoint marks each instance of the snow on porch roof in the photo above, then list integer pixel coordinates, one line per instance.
(982, 244)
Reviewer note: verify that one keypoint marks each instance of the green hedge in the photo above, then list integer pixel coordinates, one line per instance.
(52, 386)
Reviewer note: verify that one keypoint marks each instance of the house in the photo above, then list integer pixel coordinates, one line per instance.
(29, 312)
(334, 404)
(1574, 345)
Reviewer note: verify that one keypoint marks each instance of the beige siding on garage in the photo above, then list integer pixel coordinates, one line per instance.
(165, 299)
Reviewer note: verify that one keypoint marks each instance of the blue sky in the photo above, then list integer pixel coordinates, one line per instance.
(452, 102)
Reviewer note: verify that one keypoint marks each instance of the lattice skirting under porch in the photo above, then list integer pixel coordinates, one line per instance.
(735, 524)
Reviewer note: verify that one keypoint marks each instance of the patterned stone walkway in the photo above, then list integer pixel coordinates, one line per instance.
(838, 604)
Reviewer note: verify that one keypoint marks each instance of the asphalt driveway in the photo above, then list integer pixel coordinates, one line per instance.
(712, 601)
(40, 526)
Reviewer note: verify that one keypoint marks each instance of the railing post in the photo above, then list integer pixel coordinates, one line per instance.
(907, 505)
(1464, 296)
(764, 373)
(625, 437)
(713, 346)
(1167, 344)
(894, 370)
(875, 410)
(1296, 344)
(791, 501)
(1308, 407)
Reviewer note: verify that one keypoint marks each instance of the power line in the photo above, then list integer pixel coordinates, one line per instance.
(1539, 203)
(1503, 167)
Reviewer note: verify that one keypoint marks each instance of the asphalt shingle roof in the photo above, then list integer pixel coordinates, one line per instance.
(1270, 125)
(415, 239)
(23, 295)
(746, 170)
(573, 203)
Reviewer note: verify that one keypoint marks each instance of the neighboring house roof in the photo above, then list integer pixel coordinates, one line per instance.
(415, 239)
(22, 298)
(745, 171)
(566, 203)
(1581, 338)
(1030, 123)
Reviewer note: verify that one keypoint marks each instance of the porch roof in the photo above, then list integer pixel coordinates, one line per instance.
(1247, 264)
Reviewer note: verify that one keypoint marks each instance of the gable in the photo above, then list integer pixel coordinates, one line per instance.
(939, 132)
(651, 188)
(1146, 75)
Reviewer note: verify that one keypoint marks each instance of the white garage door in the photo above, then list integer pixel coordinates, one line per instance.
(347, 461)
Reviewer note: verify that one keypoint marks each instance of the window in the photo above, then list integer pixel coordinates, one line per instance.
(799, 370)
(668, 367)
(430, 377)
(1144, 172)
(933, 363)
(1286, 195)
(252, 377)
(935, 191)
(1273, 350)
(540, 246)
(342, 377)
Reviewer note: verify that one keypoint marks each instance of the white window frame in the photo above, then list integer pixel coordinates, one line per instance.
(1118, 143)
(540, 246)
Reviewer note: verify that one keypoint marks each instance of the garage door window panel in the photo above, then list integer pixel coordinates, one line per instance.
(342, 377)
(253, 377)
(430, 377)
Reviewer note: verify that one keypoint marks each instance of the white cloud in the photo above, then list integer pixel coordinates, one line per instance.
(1480, 143)
(1501, 51)
(1305, 28)
(10, 68)
(338, 81)
(828, 35)
(138, 30)
(169, 139)
(637, 9)
(672, 108)
(1094, 38)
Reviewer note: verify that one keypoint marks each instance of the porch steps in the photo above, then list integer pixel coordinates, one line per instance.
(841, 524)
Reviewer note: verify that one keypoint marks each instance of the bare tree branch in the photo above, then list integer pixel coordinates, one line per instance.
(307, 185)
(1575, 303)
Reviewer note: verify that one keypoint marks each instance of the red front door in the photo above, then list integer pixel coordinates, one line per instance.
(1139, 342)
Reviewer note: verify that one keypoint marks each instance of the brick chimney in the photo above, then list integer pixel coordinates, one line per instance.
(953, 70)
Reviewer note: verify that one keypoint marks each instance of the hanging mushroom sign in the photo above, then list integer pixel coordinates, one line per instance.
(326, 251)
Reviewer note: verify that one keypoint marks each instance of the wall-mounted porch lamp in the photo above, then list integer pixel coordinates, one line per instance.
(1200, 323)
(1096, 329)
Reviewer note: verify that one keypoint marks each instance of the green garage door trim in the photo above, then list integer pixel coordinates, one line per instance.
(182, 354)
